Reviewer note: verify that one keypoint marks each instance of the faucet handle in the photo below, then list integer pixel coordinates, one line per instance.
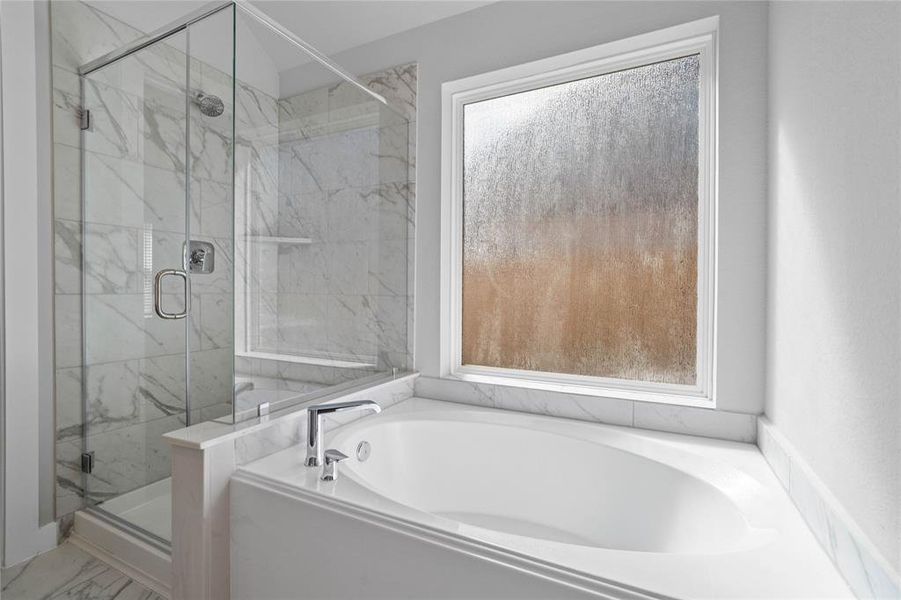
(330, 468)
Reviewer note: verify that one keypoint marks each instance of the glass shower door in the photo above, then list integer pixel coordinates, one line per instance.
(136, 300)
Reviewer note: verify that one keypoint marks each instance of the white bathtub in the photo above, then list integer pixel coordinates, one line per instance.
(462, 502)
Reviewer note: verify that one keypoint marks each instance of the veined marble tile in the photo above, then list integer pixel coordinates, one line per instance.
(81, 33)
(212, 152)
(66, 108)
(393, 150)
(211, 377)
(388, 268)
(389, 323)
(256, 115)
(263, 320)
(362, 214)
(131, 457)
(221, 280)
(69, 572)
(696, 421)
(163, 199)
(257, 264)
(67, 330)
(160, 66)
(352, 331)
(163, 384)
(353, 215)
(69, 483)
(214, 412)
(340, 160)
(114, 190)
(452, 390)
(117, 120)
(290, 431)
(216, 321)
(67, 256)
(303, 268)
(121, 394)
(302, 323)
(303, 214)
(347, 268)
(114, 259)
(66, 182)
(213, 74)
(411, 317)
(166, 252)
(398, 85)
(348, 103)
(120, 327)
(411, 151)
(585, 408)
(217, 218)
(775, 455)
(302, 114)
(164, 129)
(68, 404)
(397, 210)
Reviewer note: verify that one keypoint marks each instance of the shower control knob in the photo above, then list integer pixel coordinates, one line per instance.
(199, 257)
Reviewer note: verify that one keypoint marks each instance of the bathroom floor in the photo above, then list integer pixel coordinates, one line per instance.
(70, 572)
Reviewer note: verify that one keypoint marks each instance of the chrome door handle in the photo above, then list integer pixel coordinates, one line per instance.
(158, 294)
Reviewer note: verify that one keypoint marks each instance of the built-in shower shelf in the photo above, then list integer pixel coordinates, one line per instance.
(267, 239)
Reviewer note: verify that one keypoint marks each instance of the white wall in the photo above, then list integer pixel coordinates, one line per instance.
(510, 33)
(834, 319)
(24, 249)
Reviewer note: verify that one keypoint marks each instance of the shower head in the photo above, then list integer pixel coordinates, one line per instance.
(210, 106)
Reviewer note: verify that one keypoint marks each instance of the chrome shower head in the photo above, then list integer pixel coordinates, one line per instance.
(210, 106)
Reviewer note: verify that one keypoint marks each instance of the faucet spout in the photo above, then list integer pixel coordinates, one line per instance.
(314, 424)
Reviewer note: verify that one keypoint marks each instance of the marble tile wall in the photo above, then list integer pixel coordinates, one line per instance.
(347, 195)
(135, 168)
(139, 167)
(720, 424)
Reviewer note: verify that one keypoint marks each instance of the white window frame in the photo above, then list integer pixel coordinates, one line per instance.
(696, 37)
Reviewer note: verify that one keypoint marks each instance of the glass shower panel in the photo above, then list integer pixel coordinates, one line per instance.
(134, 230)
(322, 198)
(211, 226)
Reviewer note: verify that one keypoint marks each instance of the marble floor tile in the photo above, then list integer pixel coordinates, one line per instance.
(69, 572)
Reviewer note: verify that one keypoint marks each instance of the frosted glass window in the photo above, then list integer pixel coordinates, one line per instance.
(580, 226)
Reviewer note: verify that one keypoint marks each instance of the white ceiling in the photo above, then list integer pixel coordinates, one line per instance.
(336, 25)
(331, 26)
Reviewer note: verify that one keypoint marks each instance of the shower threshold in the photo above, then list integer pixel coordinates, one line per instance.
(148, 508)
(132, 533)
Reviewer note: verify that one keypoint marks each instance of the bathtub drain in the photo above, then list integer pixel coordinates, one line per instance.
(363, 450)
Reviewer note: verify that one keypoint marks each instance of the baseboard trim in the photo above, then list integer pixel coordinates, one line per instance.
(124, 552)
(867, 572)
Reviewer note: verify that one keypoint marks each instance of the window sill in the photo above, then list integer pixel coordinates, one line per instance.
(502, 377)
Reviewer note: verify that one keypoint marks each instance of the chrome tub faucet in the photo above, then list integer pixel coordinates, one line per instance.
(314, 424)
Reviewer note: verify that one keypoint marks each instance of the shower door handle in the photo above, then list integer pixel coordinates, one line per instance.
(158, 294)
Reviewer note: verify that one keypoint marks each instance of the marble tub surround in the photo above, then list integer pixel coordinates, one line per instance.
(334, 257)
(205, 455)
(739, 427)
(867, 572)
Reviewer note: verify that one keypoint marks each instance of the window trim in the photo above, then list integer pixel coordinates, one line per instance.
(697, 37)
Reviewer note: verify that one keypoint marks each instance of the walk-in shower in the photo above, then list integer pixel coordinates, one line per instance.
(245, 207)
